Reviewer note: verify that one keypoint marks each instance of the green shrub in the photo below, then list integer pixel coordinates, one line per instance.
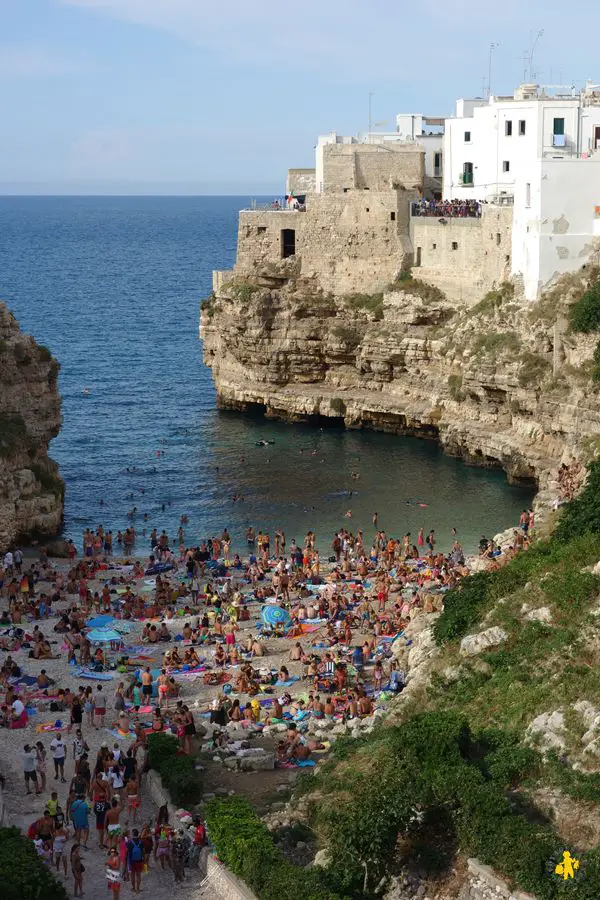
(372, 303)
(582, 515)
(418, 288)
(596, 362)
(13, 433)
(244, 843)
(49, 480)
(494, 299)
(496, 342)
(348, 336)
(455, 387)
(534, 368)
(584, 315)
(24, 876)
(178, 774)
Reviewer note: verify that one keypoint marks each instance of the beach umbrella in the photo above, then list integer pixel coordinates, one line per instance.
(275, 615)
(103, 636)
(101, 621)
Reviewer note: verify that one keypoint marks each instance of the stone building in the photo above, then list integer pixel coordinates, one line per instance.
(353, 237)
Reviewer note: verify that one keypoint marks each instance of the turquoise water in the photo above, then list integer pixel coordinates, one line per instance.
(112, 286)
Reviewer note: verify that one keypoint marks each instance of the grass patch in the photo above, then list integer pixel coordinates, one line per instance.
(348, 336)
(455, 387)
(372, 303)
(534, 368)
(494, 299)
(240, 290)
(409, 285)
(49, 480)
(496, 342)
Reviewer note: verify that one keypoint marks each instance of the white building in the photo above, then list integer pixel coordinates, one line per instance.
(487, 142)
(539, 151)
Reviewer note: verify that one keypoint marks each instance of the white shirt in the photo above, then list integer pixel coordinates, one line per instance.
(8, 560)
(58, 748)
(17, 708)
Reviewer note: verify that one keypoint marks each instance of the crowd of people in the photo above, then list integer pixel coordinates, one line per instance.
(448, 209)
(196, 637)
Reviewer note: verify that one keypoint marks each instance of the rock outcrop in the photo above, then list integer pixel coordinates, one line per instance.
(31, 490)
(500, 384)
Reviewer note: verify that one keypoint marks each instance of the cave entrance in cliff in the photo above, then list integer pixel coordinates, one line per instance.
(288, 242)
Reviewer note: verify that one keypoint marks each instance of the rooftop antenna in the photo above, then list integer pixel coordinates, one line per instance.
(493, 46)
(532, 50)
(371, 95)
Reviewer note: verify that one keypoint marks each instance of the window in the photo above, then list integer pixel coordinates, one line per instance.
(261, 229)
(527, 195)
(437, 164)
(288, 243)
(418, 259)
(467, 173)
(522, 127)
(498, 239)
(506, 165)
(454, 245)
(508, 127)
(558, 132)
(434, 246)
(467, 137)
(366, 209)
(393, 216)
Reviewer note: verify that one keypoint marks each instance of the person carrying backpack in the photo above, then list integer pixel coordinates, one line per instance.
(135, 858)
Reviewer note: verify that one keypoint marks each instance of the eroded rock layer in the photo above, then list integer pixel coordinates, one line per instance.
(31, 490)
(502, 383)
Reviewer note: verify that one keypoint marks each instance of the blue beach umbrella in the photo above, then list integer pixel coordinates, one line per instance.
(101, 621)
(275, 615)
(103, 636)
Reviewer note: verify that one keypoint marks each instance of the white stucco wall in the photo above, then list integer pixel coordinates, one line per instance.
(559, 231)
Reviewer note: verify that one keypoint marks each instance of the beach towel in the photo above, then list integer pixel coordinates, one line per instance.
(94, 676)
(27, 679)
(301, 764)
(291, 681)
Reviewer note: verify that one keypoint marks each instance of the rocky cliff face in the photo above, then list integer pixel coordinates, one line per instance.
(499, 384)
(31, 490)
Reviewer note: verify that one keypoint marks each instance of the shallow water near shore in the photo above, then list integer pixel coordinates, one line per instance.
(112, 286)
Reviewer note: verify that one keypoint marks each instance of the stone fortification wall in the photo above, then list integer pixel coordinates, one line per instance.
(465, 258)
(301, 181)
(376, 167)
(259, 237)
(356, 242)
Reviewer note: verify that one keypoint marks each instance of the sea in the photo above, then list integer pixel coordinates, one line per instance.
(112, 285)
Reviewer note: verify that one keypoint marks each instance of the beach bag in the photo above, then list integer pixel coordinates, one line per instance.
(137, 851)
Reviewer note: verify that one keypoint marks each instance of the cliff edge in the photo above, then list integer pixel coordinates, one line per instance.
(503, 383)
(31, 489)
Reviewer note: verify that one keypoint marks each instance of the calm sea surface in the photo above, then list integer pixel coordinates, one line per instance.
(112, 286)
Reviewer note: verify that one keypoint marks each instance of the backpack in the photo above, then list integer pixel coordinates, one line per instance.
(137, 851)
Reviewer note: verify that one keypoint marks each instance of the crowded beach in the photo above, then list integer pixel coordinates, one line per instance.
(254, 660)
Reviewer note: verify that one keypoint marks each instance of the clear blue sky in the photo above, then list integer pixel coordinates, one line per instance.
(202, 96)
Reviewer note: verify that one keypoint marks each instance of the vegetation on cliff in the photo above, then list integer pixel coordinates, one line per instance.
(461, 770)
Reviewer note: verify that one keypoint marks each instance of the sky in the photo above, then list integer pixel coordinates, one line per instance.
(202, 96)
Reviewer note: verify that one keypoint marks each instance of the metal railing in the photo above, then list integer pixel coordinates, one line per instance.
(274, 206)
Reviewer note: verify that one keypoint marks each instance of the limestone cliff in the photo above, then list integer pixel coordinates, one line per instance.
(502, 383)
(31, 490)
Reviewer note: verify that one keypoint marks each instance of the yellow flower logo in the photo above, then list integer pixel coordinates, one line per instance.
(567, 867)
